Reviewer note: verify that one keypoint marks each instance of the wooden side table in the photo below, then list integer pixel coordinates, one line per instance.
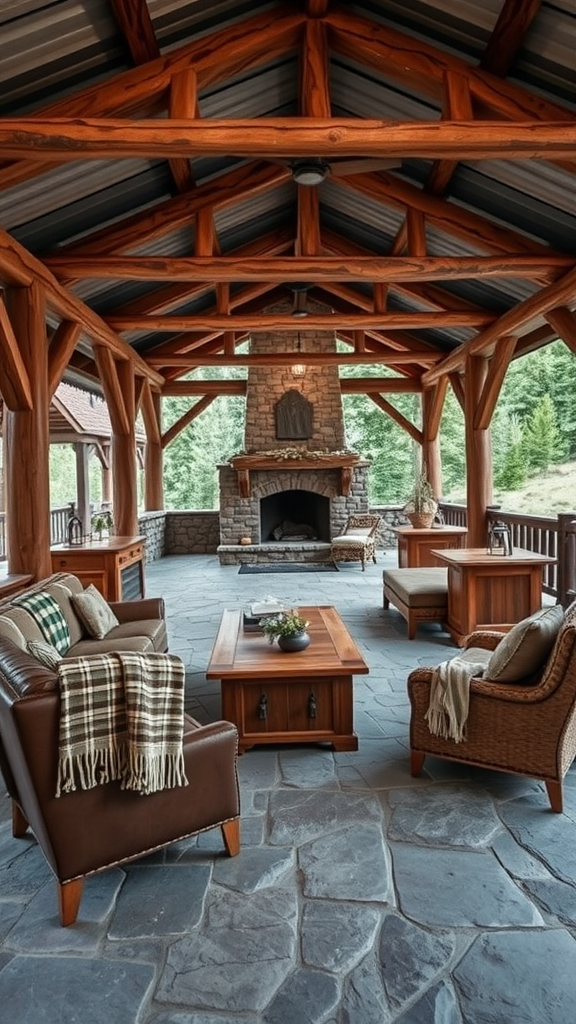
(115, 565)
(415, 546)
(491, 591)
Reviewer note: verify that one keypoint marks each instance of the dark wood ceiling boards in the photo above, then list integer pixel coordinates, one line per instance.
(154, 199)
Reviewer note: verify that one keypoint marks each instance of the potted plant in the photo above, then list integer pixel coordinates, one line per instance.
(288, 629)
(421, 506)
(101, 521)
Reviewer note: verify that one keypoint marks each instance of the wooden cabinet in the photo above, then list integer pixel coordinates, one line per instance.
(491, 591)
(114, 565)
(416, 546)
(305, 710)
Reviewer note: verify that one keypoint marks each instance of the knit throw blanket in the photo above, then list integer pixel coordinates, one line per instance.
(121, 718)
(449, 698)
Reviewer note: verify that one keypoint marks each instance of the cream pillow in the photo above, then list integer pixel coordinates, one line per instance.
(45, 653)
(526, 647)
(95, 612)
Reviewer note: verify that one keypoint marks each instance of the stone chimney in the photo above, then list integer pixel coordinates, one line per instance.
(319, 387)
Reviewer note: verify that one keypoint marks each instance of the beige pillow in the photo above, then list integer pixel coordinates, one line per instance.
(526, 647)
(45, 653)
(95, 612)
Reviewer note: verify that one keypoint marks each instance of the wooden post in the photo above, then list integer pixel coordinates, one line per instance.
(124, 463)
(83, 487)
(478, 453)
(26, 437)
(432, 403)
(154, 454)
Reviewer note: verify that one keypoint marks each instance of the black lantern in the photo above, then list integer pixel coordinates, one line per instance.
(499, 539)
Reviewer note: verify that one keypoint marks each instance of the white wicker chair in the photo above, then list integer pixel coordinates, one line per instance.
(357, 543)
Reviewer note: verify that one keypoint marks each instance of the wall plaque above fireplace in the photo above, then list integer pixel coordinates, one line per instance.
(243, 464)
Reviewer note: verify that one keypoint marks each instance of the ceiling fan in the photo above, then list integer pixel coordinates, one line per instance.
(313, 170)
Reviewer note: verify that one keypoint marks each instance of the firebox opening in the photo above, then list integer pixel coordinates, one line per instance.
(294, 516)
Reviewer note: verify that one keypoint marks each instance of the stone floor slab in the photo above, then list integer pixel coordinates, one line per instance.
(336, 936)
(160, 901)
(348, 865)
(99, 991)
(456, 889)
(530, 977)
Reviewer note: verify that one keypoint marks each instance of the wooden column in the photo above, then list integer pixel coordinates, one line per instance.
(26, 433)
(106, 476)
(82, 452)
(117, 378)
(154, 455)
(432, 404)
(478, 453)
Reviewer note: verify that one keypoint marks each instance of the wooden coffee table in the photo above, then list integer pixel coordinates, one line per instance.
(302, 697)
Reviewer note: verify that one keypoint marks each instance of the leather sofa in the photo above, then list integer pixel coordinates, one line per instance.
(87, 831)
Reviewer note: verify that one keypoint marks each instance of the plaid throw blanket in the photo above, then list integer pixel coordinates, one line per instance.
(122, 717)
(49, 617)
(450, 697)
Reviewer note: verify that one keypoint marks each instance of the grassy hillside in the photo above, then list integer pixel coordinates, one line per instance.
(544, 494)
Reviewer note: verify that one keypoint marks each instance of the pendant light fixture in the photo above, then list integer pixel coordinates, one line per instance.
(298, 369)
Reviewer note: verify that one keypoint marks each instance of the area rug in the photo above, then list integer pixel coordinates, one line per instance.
(288, 567)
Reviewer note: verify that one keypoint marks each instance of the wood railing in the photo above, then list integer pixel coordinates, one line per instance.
(542, 534)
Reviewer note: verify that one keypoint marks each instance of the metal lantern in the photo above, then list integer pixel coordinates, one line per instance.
(499, 539)
(75, 530)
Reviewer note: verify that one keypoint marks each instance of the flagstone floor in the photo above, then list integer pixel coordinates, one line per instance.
(360, 896)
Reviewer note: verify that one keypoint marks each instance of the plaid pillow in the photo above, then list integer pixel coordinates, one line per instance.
(49, 617)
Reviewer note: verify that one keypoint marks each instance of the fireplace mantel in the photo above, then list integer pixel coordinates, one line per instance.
(243, 464)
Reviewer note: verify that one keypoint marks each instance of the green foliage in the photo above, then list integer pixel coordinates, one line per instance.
(542, 441)
(284, 624)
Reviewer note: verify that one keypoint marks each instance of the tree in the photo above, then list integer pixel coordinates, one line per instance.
(542, 441)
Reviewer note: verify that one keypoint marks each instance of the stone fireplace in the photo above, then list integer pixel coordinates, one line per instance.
(293, 487)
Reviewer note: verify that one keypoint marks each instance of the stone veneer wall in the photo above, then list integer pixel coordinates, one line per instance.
(192, 533)
(198, 532)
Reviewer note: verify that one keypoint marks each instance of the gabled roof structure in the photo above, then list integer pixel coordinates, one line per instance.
(172, 169)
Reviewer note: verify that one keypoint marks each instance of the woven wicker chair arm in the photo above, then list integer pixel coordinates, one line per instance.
(486, 638)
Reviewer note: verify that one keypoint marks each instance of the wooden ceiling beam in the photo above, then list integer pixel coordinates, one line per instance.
(62, 344)
(186, 418)
(310, 358)
(514, 20)
(314, 321)
(497, 367)
(398, 418)
(15, 386)
(457, 221)
(239, 267)
(380, 385)
(69, 139)
(161, 300)
(563, 321)
(163, 218)
(422, 67)
(559, 293)
(189, 388)
(144, 90)
(16, 262)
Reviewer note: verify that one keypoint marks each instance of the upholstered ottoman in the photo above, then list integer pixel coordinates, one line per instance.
(420, 595)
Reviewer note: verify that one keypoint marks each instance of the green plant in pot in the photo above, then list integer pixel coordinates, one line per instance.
(288, 629)
(421, 506)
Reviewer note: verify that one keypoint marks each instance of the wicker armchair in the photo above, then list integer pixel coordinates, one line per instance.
(525, 729)
(357, 542)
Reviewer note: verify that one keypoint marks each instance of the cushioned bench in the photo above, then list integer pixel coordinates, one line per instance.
(420, 595)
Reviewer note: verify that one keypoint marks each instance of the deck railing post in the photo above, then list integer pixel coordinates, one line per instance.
(566, 557)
